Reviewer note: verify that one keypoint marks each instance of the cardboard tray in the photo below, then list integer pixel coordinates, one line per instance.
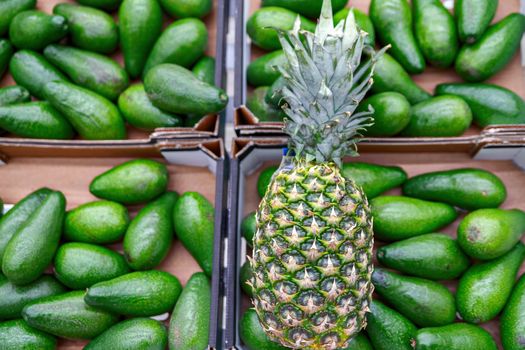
(208, 126)
(503, 156)
(194, 165)
(247, 124)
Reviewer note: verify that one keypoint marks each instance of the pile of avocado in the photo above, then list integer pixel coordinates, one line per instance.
(95, 292)
(412, 310)
(422, 33)
(63, 60)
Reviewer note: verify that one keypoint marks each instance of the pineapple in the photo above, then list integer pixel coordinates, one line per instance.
(312, 257)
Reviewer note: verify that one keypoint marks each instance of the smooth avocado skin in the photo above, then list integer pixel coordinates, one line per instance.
(154, 293)
(374, 179)
(149, 236)
(33, 246)
(9, 9)
(398, 217)
(359, 342)
(493, 51)
(490, 104)
(456, 336)
(249, 227)
(68, 316)
(91, 70)
(307, 8)
(14, 94)
(486, 234)
(35, 120)
(466, 188)
(389, 75)
(99, 222)
(32, 71)
(512, 321)
(6, 51)
(391, 113)
(253, 335)
(107, 5)
(434, 256)
(177, 90)
(136, 333)
(262, 71)
(204, 69)
(393, 21)
(261, 24)
(264, 111)
(89, 28)
(473, 18)
(132, 182)
(363, 22)
(187, 8)
(441, 116)
(34, 30)
(140, 25)
(485, 288)
(245, 276)
(13, 298)
(194, 222)
(81, 265)
(388, 329)
(17, 334)
(93, 116)
(264, 179)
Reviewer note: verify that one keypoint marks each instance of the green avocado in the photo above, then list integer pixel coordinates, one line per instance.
(248, 228)
(307, 8)
(187, 8)
(512, 322)
(262, 71)
(107, 5)
(204, 69)
(473, 18)
(359, 342)
(456, 336)
(34, 30)
(6, 52)
(374, 179)
(363, 22)
(274, 94)
(17, 334)
(265, 177)
(264, 111)
(253, 335)
(9, 9)
(14, 94)
(245, 276)
(391, 113)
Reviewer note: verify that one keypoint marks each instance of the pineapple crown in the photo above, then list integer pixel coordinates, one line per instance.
(324, 82)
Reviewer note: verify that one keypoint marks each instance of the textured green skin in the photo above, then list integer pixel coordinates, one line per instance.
(13, 298)
(264, 179)
(137, 333)
(441, 116)
(393, 21)
(391, 113)
(16, 218)
(473, 18)
(363, 22)
(35, 120)
(182, 43)
(108, 5)
(140, 25)
(31, 249)
(132, 182)
(192, 119)
(257, 104)
(81, 265)
(143, 293)
(253, 335)
(435, 32)
(34, 30)
(374, 179)
(175, 89)
(261, 24)
(487, 234)
(187, 8)
(14, 94)
(434, 256)
(493, 51)
(485, 288)
(490, 104)
(245, 275)
(397, 217)
(194, 218)
(18, 335)
(261, 71)
(139, 112)
(466, 188)
(307, 8)
(190, 319)
(9, 9)
(93, 116)
(274, 96)
(99, 222)
(90, 29)
(149, 236)
(6, 51)
(512, 321)
(457, 336)
(32, 71)
(248, 227)
(68, 316)
(424, 302)
(360, 342)
(388, 329)
(389, 75)
(204, 69)
(91, 70)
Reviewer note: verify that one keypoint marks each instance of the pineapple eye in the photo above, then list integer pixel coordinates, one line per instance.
(310, 297)
(346, 304)
(290, 314)
(348, 223)
(333, 287)
(330, 340)
(300, 336)
(271, 321)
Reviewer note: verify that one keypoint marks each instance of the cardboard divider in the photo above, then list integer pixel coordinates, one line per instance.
(247, 124)
(505, 157)
(193, 165)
